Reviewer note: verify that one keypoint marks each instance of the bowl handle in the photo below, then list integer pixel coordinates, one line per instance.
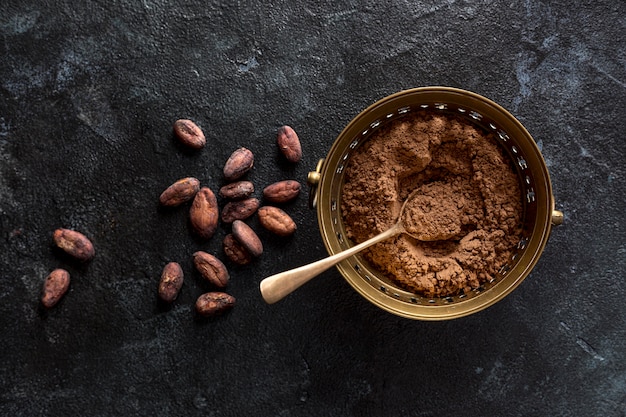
(557, 217)
(313, 179)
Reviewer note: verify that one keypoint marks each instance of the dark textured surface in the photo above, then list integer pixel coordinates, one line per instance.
(88, 95)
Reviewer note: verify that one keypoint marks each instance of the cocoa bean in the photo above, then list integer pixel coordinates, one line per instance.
(281, 191)
(54, 287)
(276, 221)
(189, 134)
(171, 282)
(239, 210)
(204, 213)
(180, 192)
(214, 303)
(237, 190)
(235, 251)
(211, 268)
(74, 243)
(248, 238)
(239, 162)
(289, 144)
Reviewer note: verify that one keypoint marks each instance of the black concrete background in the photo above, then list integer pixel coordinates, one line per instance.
(88, 94)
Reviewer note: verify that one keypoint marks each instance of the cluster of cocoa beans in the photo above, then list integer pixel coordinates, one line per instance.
(242, 244)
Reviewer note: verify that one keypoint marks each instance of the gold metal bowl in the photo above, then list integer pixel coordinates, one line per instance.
(538, 203)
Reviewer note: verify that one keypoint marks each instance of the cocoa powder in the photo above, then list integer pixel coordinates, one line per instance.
(464, 174)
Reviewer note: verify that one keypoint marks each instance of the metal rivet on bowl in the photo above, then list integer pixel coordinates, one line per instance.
(522, 243)
(522, 163)
(475, 115)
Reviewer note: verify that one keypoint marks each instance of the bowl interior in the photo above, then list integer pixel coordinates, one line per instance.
(533, 179)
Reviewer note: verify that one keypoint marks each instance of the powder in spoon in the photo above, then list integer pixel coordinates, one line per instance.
(463, 174)
(433, 212)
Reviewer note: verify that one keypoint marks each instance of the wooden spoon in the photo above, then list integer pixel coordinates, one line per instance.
(422, 216)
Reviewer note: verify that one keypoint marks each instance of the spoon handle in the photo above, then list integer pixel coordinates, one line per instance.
(276, 287)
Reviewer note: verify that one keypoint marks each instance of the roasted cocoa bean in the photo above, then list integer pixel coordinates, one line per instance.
(239, 162)
(74, 243)
(189, 134)
(204, 213)
(289, 144)
(281, 191)
(171, 282)
(276, 221)
(239, 210)
(180, 192)
(248, 238)
(214, 303)
(235, 251)
(54, 287)
(237, 190)
(211, 268)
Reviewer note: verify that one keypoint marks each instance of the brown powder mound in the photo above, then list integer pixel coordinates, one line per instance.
(462, 173)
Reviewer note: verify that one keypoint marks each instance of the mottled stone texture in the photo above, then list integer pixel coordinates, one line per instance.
(88, 94)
